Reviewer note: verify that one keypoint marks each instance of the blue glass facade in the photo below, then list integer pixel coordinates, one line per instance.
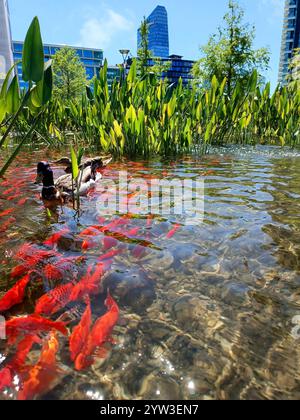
(158, 33)
(290, 36)
(178, 69)
(113, 73)
(90, 58)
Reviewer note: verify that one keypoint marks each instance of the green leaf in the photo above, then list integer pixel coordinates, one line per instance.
(75, 168)
(33, 54)
(89, 93)
(43, 91)
(252, 84)
(13, 97)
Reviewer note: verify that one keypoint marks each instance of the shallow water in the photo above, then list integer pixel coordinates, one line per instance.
(207, 312)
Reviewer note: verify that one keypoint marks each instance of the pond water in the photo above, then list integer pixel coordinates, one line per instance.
(208, 309)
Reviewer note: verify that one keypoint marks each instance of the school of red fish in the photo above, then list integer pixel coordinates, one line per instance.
(69, 281)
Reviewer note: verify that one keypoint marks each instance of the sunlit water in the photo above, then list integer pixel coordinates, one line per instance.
(208, 312)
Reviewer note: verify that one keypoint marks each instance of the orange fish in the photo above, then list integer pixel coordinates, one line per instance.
(44, 373)
(110, 255)
(100, 334)
(17, 363)
(139, 251)
(89, 284)
(6, 212)
(15, 295)
(7, 224)
(22, 201)
(9, 191)
(32, 324)
(173, 231)
(18, 271)
(33, 255)
(13, 197)
(54, 301)
(52, 273)
(90, 231)
(53, 240)
(80, 333)
(109, 242)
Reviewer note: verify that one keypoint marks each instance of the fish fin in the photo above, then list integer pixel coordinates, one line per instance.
(101, 353)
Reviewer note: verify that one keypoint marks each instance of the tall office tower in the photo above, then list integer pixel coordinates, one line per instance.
(6, 55)
(158, 33)
(290, 37)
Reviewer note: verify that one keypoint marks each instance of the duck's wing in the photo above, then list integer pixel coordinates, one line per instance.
(64, 183)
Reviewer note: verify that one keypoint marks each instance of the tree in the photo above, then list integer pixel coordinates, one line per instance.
(70, 78)
(294, 67)
(145, 56)
(230, 53)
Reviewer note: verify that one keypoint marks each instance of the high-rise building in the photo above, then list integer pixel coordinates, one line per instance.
(290, 36)
(92, 59)
(6, 56)
(158, 33)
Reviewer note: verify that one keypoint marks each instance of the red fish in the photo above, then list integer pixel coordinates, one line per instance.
(22, 201)
(52, 273)
(17, 363)
(6, 212)
(89, 284)
(44, 373)
(80, 333)
(15, 295)
(33, 255)
(6, 378)
(54, 301)
(100, 334)
(86, 245)
(139, 251)
(173, 231)
(53, 240)
(18, 271)
(13, 197)
(9, 191)
(110, 255)
(109, 242)
(32, 324)
(7, 224)
(90, 231)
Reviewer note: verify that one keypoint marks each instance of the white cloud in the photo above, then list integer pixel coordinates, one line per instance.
(99, 33)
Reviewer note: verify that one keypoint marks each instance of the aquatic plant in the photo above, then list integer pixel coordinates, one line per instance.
(13, 106)
(144, 116)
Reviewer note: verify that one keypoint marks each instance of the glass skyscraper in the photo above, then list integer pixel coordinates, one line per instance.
(92, 59)
(290, 36)
(6, 56)
(158, 33)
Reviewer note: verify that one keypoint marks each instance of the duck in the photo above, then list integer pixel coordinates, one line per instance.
(63, 189)
(103, 162)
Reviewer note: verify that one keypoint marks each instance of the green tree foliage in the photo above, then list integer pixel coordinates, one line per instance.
(69, 75)
(294, 74)
(230, 53)
(144, 54)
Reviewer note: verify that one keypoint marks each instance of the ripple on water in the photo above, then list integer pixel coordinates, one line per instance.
(207, 313)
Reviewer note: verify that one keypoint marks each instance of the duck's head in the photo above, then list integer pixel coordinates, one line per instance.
(44, 174)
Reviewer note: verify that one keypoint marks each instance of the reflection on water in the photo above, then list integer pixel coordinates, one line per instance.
(207, 312)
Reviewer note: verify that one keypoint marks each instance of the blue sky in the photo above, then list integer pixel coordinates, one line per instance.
(112, 24)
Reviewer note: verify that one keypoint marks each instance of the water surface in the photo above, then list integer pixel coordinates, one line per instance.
(208, 313)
